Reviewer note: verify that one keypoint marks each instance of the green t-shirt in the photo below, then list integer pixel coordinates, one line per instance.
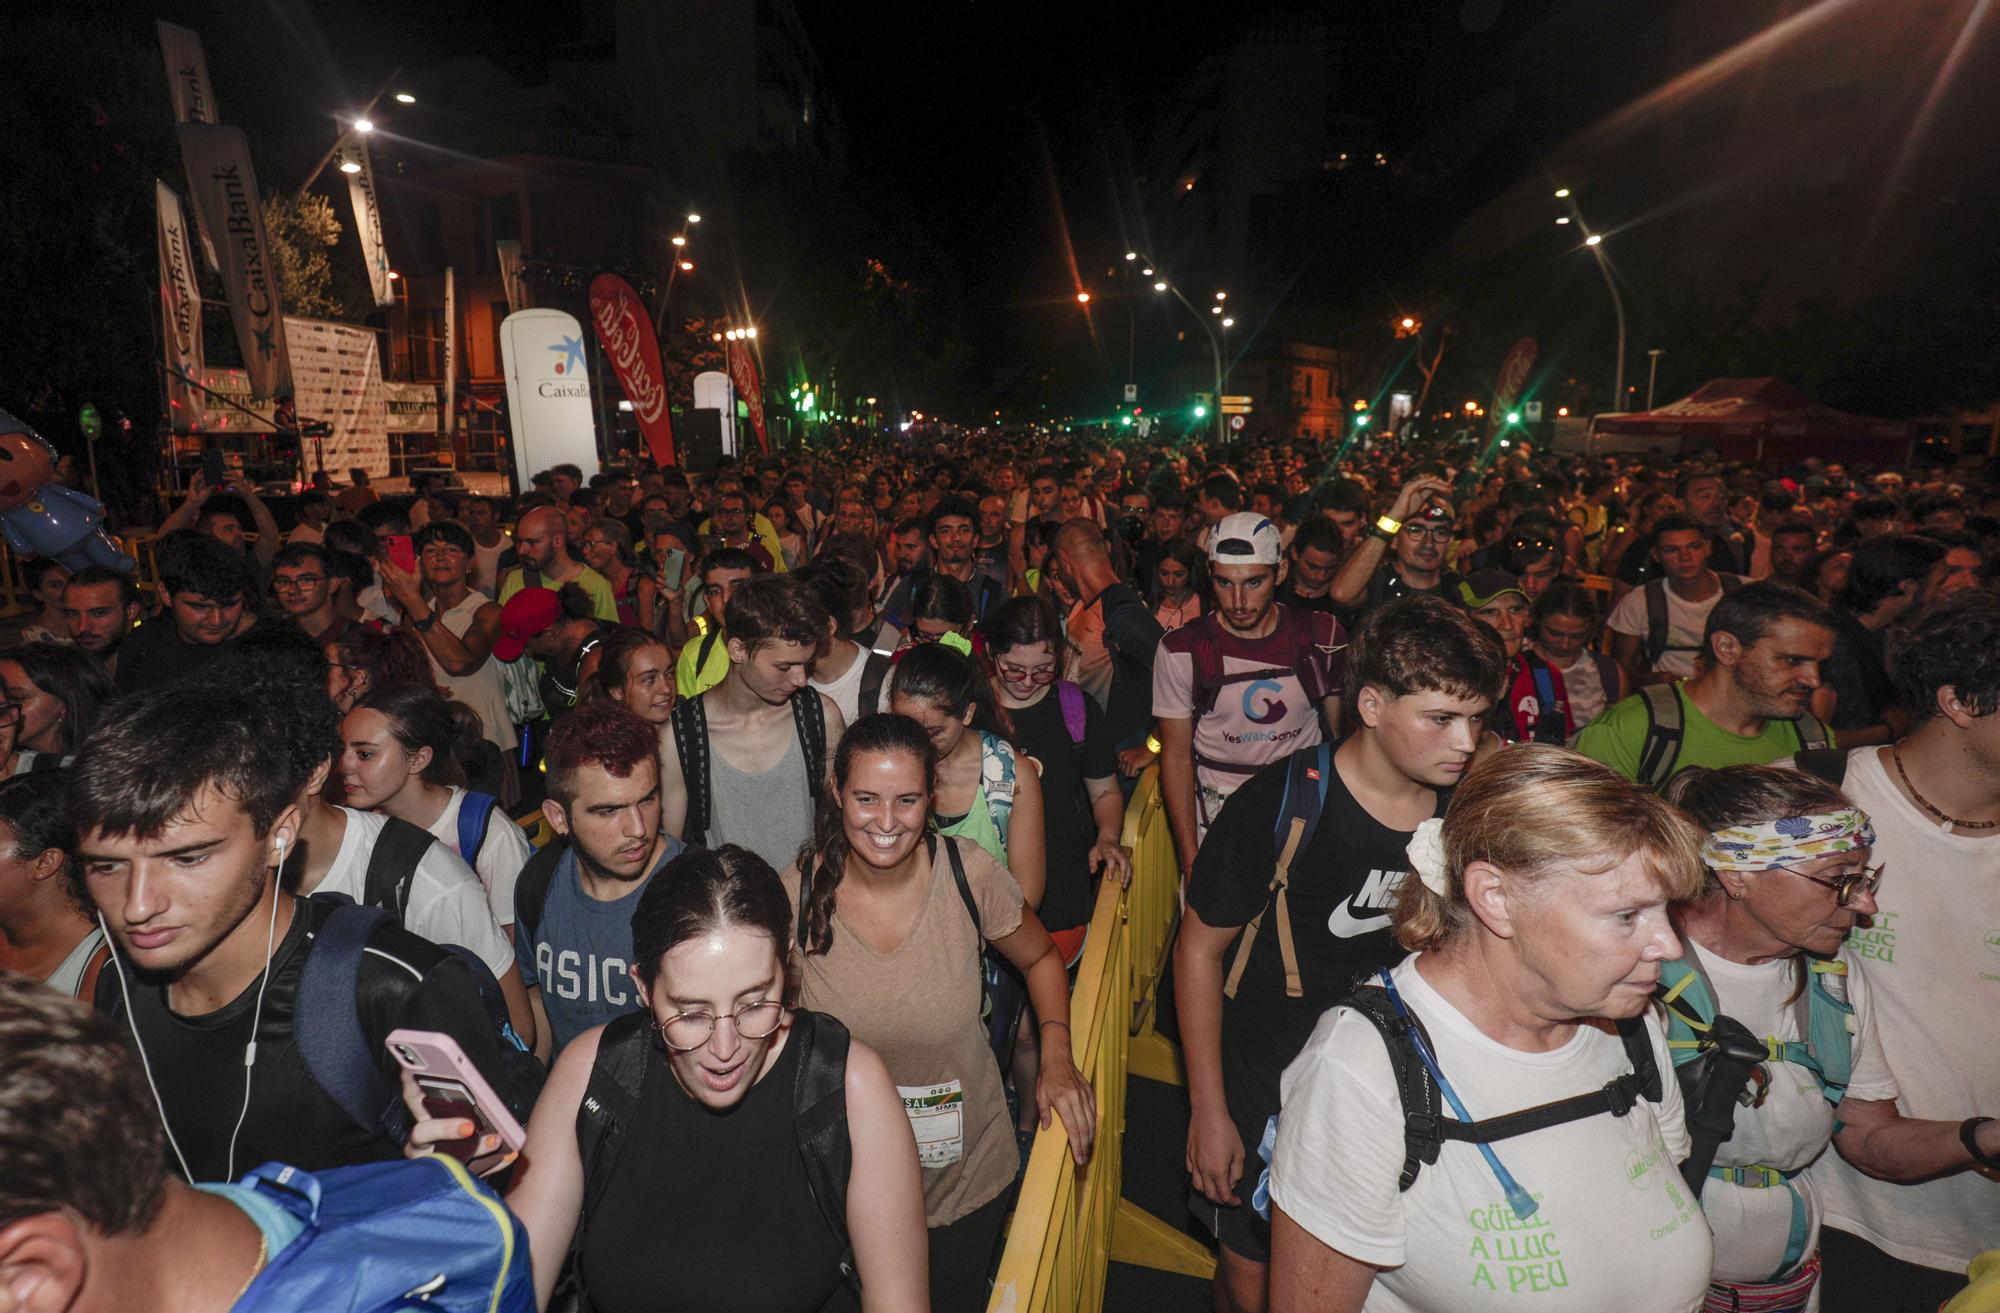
(1618, 737)
(603, 602)
(692, 675)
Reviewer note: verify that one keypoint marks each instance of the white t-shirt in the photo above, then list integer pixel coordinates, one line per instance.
(447, 902)
(1584, 685)
(846, 691)
(486, 561)
(1792, 1126)
(1617, 1228)
(1685, 622)
(1933, 955)
(500, 859)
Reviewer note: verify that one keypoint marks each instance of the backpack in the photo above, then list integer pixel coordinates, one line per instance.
(1830, 764)
(997, 767)
(475, 812)
(333, 1044)
(1550, 724)
(1716, 1059)
(1656, 617)
(1306, 776)
(819, 1099)
(1666, 723)
(690, 722)
(1425, 1128)
(875, 670)
(531, 886)
(1075, 715)
(406, 1234)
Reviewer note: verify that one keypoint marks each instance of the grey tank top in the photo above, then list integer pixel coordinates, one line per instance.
(769, 813)
(67, 979)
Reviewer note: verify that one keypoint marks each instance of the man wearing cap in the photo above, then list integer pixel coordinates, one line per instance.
(1242, 686)
(556, 628)
(1413, 536)
(1535, 706)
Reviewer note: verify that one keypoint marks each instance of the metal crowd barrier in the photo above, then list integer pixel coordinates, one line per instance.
(1070, 1222)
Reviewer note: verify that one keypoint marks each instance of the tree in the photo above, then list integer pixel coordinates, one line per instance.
(303, 233)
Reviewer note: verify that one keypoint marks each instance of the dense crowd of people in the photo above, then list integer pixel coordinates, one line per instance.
(1587, 865)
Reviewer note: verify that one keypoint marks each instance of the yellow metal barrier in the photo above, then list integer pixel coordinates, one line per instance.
(536, 826)
(1070, 1222)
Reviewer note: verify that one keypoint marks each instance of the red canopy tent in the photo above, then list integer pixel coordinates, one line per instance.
(1758, 419)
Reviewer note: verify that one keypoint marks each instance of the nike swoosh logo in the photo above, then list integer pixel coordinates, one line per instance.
(1345, 924)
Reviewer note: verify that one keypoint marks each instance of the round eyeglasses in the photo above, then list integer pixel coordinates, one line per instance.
(1848, 885)
(685, 1032)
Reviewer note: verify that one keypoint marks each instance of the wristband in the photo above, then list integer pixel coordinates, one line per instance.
(1386, 528)
(423, 626)
(1968, 1135)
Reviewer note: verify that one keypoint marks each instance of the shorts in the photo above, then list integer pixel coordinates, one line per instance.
(1237, 1226)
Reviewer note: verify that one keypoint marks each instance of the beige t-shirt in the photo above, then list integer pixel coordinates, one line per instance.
(935, 1050)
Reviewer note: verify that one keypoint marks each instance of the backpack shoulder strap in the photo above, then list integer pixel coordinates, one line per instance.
(1656, 619)
(1306, 651)
(809, 720)
(1813, 737)
(1665, 724)
(690, 722)
(1690, 1007)
(958, 878)
(1422, 1106)
(1829, 1024)
(1074, 714)
(327, 1023)
(1607, 674)
(707, 648)
(1206, 648)
(531, 887)
(610, 1105)
(998, 767)
(1830, 764)
(1306, 775)
(1730, 582)
(475, 812)
(819, 1100)
(874, 673)
(1639, 1052)
(392, 866)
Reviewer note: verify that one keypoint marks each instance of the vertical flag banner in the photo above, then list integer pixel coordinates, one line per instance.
(448, 415)
(510, 274)
(625, 331)
(749, 389)
(180, 311)
(194, 102)
(548, 393)
(225, 189)
(367, 217)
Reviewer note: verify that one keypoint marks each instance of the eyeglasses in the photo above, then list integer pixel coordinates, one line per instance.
(1437, 533)
(10, 713)
(298, 583)
(1041, 675)
(685, 1032)
(1848, 885)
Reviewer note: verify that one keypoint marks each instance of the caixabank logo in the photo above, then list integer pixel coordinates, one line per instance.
(569, 380)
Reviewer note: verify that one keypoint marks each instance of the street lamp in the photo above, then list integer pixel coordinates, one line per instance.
(364, 125)
(1653, 355)
(1214, 344)
(1131, 255)
(694, 218)
(1595, 242)
(405, 98)
(349, 166)
(1083, 298)
(678, 240)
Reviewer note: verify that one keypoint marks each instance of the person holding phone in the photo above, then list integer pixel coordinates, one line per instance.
(703, 1086)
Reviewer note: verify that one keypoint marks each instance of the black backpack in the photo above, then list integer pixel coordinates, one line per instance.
(1425, 1128)
(1656, 618)
(690, 722)
(819, 1100)
(874, 673)
(392, 866)
(1666, 725)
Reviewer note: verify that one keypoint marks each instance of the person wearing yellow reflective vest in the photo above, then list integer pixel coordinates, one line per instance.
(1789, 875)
(705, 659)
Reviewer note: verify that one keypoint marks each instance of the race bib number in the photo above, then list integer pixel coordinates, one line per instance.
(937, 1116)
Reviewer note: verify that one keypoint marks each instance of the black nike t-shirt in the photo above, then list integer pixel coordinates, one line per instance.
(1341, 889)
(197, 1061)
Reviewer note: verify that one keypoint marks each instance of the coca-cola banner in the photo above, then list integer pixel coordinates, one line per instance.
(625, 331)
(749, 389)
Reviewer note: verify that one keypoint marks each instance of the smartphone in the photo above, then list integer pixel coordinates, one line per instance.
(403, 552)
(453, 1087)
(212, 472)
(672, 565)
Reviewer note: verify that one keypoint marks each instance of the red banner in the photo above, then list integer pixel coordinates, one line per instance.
(749, 389)
(625, 331)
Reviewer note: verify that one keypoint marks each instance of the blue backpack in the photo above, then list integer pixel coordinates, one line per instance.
(474, 812)
(413, 1234)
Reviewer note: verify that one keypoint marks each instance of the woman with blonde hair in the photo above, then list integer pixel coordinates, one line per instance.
(1496, 1115)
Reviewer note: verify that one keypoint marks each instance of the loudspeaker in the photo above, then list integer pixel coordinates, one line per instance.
(699, 436)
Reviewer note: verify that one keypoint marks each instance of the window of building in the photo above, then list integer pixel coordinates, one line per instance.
(500, 221)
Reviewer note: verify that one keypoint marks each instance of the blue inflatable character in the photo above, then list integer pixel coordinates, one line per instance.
(41, 518)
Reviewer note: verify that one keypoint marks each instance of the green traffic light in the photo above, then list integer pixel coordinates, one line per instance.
(1361, 421)
(1201, 412)
(1126, 420)
(1513, 417)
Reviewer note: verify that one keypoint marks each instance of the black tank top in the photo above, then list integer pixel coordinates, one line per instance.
(711, 1212)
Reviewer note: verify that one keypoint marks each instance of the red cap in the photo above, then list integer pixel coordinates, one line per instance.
(525, 614)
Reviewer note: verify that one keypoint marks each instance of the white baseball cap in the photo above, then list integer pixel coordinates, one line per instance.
(1245, 538)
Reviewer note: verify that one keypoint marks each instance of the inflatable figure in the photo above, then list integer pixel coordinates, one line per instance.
(41, 518)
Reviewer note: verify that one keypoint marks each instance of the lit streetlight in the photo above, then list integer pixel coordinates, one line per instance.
(1160, 286)
(1562, 193)
(1227, 322)
(1214, 344)
(405, 98)
(364, 125)
(349, 166)
(678, 240)
(1083, 298)
(687, 266)
(1131, 255)
(694, 218)
(1595, 239)
(1594, 242)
